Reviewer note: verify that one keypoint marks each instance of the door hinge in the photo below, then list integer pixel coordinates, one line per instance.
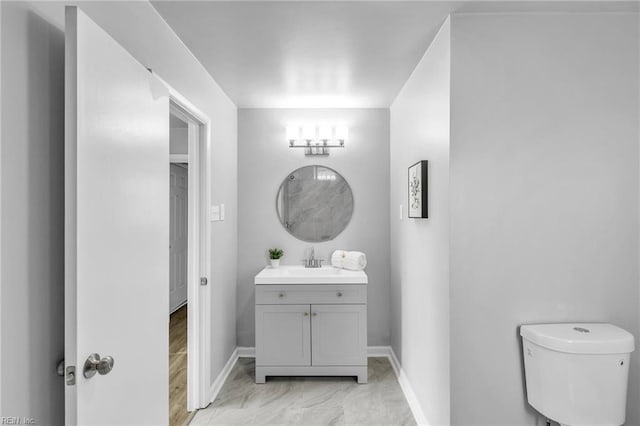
(71, 375)
(203, 281)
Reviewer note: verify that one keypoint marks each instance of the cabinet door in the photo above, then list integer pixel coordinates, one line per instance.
(283, 335)
(339, 334)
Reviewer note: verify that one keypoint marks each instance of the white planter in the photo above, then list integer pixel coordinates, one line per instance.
(275, 263)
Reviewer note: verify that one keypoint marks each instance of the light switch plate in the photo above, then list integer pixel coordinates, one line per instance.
(215, 213)
(221, 211)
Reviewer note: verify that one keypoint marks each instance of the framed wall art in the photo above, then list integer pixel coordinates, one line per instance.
(418, 195)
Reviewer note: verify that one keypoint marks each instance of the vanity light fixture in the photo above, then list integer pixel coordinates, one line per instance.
(316, 140)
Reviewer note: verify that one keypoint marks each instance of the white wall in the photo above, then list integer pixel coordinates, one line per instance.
(0, 214)
(178, 140)
(265, 160)
(544, 184)
(32, 215)
(420, 247)
(32, 206)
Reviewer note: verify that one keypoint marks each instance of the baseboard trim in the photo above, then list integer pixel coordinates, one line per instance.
(372, 351)
(246, 352)
(378, 351)
(215, 388)
(409, 394)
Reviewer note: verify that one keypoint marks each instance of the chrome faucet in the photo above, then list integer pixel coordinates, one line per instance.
(312, 262)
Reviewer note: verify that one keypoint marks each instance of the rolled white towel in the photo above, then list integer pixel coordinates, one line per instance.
(337, 258)
(353, 260)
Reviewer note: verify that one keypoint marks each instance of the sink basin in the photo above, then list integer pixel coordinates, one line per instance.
(300, 275)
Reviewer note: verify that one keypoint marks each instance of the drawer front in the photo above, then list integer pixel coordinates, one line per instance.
(267, 294)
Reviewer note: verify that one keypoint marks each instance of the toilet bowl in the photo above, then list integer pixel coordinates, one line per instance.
(577, 374)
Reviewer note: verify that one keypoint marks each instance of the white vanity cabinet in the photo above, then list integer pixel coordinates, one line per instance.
(311, 329)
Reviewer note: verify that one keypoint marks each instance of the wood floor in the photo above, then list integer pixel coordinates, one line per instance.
(308, 400)
(178, 414)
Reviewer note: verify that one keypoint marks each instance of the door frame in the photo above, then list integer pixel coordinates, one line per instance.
(199, 246)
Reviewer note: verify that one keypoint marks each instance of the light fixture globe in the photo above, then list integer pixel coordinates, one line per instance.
(309, 133)
(342, 133)
(293, 134)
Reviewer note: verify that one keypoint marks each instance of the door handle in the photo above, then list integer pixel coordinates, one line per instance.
(94, 364)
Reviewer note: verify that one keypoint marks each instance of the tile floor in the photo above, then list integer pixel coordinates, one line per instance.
(308, 400)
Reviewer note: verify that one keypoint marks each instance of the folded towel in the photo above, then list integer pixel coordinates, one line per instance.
(337, 258)
(353, 260)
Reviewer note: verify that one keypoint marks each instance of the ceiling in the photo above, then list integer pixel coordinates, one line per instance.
(337, 54)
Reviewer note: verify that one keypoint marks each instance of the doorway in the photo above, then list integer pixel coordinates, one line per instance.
(189, 246)
(178, 267)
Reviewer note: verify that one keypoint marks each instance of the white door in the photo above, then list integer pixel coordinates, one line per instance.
(116, 231)
(178, 237)
(339, 334)
(283, 335)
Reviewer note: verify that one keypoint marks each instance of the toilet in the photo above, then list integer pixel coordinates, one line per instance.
(577, 374)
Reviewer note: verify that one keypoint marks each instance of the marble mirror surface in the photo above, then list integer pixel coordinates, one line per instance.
(314, 203)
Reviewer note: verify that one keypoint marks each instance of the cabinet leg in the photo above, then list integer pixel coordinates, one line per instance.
(260, 377)
(363, 379)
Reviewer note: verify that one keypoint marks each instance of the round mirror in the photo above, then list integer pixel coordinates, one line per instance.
(314, 203)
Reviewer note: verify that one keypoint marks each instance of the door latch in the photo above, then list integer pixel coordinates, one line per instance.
(69, 373)
(70, 377)
(203, 281)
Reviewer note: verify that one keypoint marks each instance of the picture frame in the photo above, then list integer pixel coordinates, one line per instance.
(417, 188)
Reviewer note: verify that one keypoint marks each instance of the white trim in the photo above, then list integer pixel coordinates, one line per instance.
(409, 394)
(224, 374)
(372, 352)
(179, 158)
(199, 297)
(378, 351)
(246, 352)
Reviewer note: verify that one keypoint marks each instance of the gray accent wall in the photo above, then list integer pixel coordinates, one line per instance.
(265, 159)
(420, 247)
(32, 227)
(32, 153)
(544, 194)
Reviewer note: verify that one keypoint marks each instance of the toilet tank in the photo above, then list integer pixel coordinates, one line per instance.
(577, 374)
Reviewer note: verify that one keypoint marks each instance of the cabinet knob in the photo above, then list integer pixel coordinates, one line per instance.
(281, 295)
(339, 294)
(315, 314)
(306, 314)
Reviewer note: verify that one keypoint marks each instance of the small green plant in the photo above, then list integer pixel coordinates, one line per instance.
(275, 253)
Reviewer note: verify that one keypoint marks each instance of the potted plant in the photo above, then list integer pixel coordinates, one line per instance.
(274, 255)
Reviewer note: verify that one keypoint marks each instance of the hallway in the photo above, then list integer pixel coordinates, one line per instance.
(178, 413)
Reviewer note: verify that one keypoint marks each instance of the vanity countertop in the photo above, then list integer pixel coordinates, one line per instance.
(292, 274)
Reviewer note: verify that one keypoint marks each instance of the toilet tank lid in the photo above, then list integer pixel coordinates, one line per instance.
(580, 338)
